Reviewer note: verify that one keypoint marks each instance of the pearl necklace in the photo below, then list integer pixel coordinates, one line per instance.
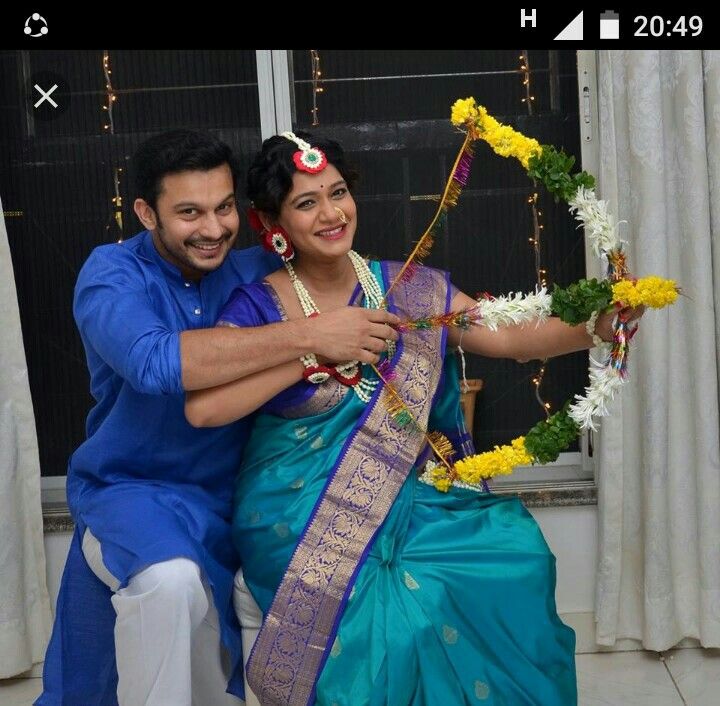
(347, 373)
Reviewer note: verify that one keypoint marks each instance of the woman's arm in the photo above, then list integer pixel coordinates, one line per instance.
(223, 404)
(528, 341)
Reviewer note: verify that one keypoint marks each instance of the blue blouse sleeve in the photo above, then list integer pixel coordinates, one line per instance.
(249, 305)
(254, 305)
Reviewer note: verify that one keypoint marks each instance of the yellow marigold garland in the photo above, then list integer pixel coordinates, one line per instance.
(503, 139)
(651, 291)
(499, 462)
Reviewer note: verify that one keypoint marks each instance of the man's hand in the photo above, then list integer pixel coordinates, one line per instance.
(350, 333)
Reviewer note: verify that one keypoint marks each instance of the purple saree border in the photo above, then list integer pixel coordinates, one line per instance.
(351, 582)
(283, 677)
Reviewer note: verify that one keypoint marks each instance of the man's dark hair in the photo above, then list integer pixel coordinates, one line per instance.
(178, 151)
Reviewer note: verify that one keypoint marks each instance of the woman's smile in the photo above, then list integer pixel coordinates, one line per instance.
(334, 233)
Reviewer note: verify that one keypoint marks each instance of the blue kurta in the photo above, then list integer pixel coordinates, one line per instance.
(148, 485)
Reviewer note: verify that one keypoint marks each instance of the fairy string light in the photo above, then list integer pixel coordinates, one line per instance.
(117, 201)
(109, 93)
(535, 239)
(316, 74)
(525, 69)
(541, 279)
(111, 97)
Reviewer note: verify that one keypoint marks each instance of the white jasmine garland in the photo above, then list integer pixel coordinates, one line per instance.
(519, 308)
(604, 383)
(427, 477)
(515, 308)
(600, 226)
(590, 328)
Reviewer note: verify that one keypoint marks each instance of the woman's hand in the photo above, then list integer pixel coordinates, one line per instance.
(604, 324)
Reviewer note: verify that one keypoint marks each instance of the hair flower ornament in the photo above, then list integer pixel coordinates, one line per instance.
(307, 158)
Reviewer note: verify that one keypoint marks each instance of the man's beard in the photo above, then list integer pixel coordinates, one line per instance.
(180, 253)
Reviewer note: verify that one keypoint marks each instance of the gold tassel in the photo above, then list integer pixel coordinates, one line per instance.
(395, 404)
(449, 198)
(453, 194)
(441, 445)
(423, 247)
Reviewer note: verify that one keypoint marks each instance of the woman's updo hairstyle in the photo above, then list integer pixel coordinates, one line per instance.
(269, 179)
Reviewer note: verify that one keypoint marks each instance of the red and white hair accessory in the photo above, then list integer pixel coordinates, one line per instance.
(307, 158)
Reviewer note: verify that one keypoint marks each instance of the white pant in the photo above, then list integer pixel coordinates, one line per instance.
(250, 617)
(167, 635)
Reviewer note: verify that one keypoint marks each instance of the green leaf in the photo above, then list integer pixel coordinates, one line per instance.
(576, 303)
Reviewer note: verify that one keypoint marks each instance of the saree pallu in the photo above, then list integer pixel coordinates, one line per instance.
(376, 588)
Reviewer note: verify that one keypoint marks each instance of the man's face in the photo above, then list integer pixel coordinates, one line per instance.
(196, 220)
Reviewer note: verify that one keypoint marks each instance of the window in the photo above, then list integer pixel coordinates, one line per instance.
(60, 178)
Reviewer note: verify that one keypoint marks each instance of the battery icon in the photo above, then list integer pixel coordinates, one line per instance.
(609, 25)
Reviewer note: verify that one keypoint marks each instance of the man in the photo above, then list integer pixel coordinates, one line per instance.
(152, 558)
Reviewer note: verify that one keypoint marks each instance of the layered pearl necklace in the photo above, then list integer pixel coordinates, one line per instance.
(349, 373)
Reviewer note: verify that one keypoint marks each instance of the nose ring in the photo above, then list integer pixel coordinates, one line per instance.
(341, 214)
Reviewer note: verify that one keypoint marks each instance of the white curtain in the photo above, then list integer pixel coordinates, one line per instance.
(659, 467)
(24, 604)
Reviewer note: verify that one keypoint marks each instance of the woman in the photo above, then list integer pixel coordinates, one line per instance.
(375, 587)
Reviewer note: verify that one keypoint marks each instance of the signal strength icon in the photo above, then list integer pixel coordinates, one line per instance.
(573, 31)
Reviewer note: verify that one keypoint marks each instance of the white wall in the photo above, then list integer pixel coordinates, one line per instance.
(57, 545)
(570, 532)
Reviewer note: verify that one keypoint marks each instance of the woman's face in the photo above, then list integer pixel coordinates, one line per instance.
(320, 215)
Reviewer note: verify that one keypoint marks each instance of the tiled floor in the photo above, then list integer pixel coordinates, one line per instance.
(689, 677)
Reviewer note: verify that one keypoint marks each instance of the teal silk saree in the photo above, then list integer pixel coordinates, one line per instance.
(375, 587)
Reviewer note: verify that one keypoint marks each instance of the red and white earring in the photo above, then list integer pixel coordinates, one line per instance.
(278, 241)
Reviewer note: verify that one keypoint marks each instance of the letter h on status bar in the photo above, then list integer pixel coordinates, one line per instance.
(528, 16)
